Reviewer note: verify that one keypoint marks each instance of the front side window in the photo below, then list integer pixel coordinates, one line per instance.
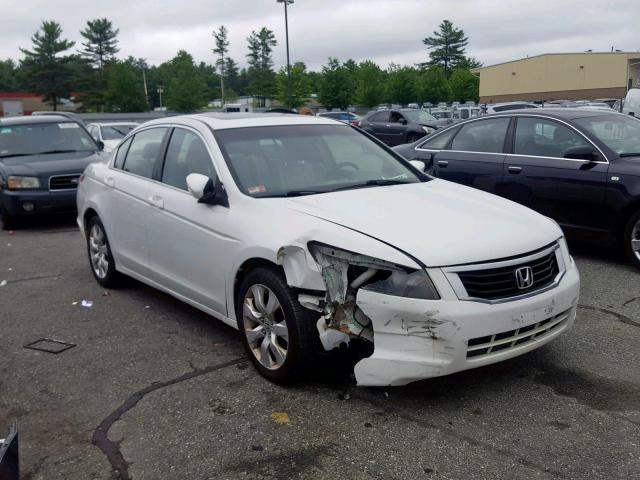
(545, 138)
(620, 133)
(397, 117)
(306, 159)
(440, 141)
(144, 151)
(122, 153)
(186, 154)
(44, 138)
(482, 136)
(419, 116)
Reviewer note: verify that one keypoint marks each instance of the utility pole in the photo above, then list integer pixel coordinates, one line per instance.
(286, 29)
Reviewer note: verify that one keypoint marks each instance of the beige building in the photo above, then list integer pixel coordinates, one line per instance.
(560, 76)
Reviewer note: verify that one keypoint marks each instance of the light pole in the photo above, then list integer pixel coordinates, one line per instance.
(160, 90)
(286, 30)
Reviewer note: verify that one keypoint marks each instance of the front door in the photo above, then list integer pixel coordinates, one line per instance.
(537, 174)
(188, 246)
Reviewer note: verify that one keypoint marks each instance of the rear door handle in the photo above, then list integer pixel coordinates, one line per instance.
(388, 126)
(514, 170)
(110, 182)
(443, 163)
(156, 201)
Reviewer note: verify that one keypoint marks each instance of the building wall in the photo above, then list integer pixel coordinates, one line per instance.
(557, 76)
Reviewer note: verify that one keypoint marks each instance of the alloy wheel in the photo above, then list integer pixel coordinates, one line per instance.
(635, 239)
(98, 251)
(265, 326)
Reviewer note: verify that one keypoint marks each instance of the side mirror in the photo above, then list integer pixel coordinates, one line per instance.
(418, 164)
(581, 152)
(205, 190)
(100, 145)
(402, 121)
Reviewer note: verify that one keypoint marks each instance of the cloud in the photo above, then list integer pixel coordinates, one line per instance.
(381, 30)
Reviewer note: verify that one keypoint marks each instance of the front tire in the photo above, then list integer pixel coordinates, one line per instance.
(631, 239)
(101, 260)
(6, 219)
(277, 332)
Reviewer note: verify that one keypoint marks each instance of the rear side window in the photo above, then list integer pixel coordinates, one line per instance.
(545, 138)
(440, 141)
(186, 154)
(482, 136)
(144, 151)
(122, 152)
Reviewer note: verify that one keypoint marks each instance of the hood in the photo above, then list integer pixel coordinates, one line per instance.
(438, 222)
(52, 164)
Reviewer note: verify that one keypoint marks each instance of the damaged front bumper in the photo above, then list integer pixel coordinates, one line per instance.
(416, 339)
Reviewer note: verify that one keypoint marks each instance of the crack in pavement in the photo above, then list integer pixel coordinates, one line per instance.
(619, 316)
(630, 301)
(101, 434)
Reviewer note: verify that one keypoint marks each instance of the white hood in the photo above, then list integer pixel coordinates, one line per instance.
(438, 222)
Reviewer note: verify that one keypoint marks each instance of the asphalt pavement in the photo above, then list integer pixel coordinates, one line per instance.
(154, 389)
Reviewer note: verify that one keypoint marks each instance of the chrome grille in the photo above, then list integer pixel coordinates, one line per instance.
(64, 182)
(482, 346)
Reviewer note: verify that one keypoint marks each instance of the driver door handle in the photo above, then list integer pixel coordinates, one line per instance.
(156, 201)
(513, 169)
(443, 163)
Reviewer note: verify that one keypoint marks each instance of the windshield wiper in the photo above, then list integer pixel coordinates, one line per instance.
(59, 151)
(16, 155)
(630, 154)
(300, 193)
(372, 183)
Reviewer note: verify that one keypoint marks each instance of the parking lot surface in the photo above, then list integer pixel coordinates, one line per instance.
(155, 389)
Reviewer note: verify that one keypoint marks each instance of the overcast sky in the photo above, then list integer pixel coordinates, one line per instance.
(381, 30)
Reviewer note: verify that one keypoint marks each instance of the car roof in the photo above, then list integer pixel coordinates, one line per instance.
(559, 113)
(108, 124)
(27, 119)
(221, 121)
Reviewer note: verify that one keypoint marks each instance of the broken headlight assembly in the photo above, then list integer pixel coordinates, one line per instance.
(347, 270)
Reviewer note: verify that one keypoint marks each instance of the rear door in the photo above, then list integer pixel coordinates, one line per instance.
(188, 241)
(537, 175)
(379, 124)
(475, 154)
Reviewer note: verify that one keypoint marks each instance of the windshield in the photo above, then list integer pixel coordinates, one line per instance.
(32, 139)
(116, 132)
(620, 133)
(419, 116)
(307, 159)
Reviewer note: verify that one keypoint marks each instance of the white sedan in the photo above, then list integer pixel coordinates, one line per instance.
(310, 237)
(110, 134)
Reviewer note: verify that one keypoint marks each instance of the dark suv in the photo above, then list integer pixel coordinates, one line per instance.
(405, 125)
(580, 167)
(41, 161)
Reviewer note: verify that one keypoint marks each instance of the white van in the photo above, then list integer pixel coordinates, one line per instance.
(237, 108)
(631, 104)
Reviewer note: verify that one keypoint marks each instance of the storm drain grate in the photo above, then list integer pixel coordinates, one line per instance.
(49, 345)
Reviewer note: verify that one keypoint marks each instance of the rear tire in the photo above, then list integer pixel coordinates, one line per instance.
(278, 334)
(413, 137)
(101, 260)
(631, 239)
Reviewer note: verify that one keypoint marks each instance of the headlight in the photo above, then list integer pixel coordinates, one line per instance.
(399, 281)
(20, 183)
(564, 249)
(427, 130)
(416, 284)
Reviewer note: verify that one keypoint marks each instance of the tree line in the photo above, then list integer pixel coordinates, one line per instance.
(107, 83)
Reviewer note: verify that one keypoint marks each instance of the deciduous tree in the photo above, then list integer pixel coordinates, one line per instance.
(299, 85)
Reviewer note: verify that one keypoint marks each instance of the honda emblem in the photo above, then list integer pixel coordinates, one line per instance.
(524, 277)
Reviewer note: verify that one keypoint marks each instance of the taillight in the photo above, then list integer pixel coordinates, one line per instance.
(355, 123)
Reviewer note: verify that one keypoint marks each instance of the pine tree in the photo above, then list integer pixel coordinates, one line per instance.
(100, 47)
(222, 48)
(447, 47)
(49, 73)
(260, 60)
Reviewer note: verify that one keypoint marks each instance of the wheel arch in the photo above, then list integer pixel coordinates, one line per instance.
(625, 216)
(246, 267)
